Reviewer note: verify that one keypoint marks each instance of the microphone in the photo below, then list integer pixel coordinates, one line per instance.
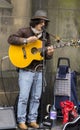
(43, 28)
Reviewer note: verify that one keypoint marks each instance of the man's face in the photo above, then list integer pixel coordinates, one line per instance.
(40, 25)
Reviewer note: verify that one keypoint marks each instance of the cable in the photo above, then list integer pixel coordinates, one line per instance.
(3, 80)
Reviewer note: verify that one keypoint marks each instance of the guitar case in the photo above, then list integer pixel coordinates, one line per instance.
(73, 125)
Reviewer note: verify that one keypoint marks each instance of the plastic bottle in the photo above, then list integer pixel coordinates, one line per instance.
(53, 115)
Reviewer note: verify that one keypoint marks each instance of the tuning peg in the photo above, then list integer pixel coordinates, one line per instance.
(73, 41)
(78, 42)
(57, 39)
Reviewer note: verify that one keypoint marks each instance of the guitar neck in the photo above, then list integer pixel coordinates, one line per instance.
(61, 45)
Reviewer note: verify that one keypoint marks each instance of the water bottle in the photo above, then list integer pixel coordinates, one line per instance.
(53, 115)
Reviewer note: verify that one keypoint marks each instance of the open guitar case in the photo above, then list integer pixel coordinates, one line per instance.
(73, 125)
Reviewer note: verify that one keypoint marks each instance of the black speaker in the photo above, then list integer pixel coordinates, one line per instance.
(7, 118)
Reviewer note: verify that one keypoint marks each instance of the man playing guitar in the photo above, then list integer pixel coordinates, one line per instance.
(30, 70)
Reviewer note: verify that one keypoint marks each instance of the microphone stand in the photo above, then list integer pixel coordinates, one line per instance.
(43, 76)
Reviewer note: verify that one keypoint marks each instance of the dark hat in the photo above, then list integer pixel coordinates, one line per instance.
(40, 14)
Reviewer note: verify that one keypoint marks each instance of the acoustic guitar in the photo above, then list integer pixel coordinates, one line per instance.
(21, 56)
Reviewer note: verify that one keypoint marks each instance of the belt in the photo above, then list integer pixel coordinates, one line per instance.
(38, 68)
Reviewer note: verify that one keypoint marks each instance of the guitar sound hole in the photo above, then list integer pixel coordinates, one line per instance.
(34, 50)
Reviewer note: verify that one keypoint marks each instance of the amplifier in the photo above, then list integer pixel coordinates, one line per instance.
(7, 118)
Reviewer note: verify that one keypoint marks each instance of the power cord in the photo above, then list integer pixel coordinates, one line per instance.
(3, 80)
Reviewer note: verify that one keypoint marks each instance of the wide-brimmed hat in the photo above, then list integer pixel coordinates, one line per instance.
(40, 14)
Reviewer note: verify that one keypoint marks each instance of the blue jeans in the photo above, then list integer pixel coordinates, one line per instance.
(29, 81)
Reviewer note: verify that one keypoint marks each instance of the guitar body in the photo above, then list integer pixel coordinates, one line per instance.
(21, 56)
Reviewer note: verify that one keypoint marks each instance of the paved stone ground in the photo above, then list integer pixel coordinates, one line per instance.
(54, 128)
(45, 128)
(58, 127)
(36, 129)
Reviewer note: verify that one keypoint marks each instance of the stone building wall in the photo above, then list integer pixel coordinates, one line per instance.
(64, 22)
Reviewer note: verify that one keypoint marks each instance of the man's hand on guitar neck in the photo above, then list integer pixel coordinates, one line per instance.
(50, 50)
